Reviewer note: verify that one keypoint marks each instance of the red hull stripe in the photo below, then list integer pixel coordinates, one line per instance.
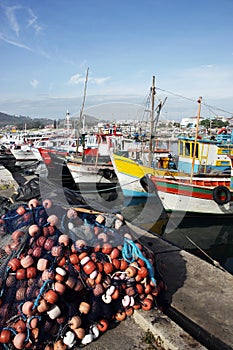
(184, 189)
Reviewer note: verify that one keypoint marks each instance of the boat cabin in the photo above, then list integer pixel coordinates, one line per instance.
(211, 154)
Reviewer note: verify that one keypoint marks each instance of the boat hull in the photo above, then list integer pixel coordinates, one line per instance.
(88, 173)
(23, 155)
(129, 174)
(176, 193)
(188, 198)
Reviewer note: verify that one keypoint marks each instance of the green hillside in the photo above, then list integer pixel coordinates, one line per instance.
(20, 121)
(38, 123)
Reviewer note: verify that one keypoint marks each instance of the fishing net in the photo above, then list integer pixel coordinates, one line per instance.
(67, 273)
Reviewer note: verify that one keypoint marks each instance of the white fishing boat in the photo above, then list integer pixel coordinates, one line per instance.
(62, 143)
(82, 171)
(23, 153)
(202, 196)
(92, 173)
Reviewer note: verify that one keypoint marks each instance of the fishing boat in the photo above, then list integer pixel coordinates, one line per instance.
(199, 195)
(63, 144)
(212, 197)
(23, 153)
(138, 181)
(83, 173)
(196, 195)
(206, 161)
(88, 160)
(202, 196)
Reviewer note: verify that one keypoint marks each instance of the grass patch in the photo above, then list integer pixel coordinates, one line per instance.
(149, 342)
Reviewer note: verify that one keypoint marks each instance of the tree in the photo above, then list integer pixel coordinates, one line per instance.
(213, 123)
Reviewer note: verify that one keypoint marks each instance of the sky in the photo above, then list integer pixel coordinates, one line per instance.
(46, 48)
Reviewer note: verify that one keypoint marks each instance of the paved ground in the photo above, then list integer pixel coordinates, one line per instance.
(145, 331)
(127, 335)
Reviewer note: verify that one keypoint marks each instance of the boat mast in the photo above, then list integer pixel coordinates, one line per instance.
(82, 108)
(151, 120)
(196, 135)
(154, 121)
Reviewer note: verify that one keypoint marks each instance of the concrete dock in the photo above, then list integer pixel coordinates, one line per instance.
(198, 296)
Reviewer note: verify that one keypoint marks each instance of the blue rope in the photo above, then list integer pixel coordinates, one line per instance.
(130, 252)
(31, 318)
(6, 347)
(21, 312)
(26, 210)
(12, 330)
(28, 336)
(36, 302)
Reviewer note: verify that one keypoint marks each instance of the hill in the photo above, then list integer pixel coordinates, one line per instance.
(20, 121)
(7, 120)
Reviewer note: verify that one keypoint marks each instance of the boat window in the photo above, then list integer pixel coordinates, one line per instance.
(196, 153)
(181, 148)
(187, 148)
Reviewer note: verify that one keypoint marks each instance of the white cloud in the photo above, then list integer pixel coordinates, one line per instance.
(79, 79)
(34, 83)
(76, 79)
(207, 66)
(10, 14)
(99, 81)
(32, 21)
(14, 43)
(21, 23)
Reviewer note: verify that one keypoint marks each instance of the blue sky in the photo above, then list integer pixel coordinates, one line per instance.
(47, 46)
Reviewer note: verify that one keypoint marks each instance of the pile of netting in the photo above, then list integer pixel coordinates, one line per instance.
(67, 273)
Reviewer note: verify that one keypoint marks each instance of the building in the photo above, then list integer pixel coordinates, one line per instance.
(189, 122)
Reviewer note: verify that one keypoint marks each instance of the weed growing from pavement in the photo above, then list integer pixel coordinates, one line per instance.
(149, 342)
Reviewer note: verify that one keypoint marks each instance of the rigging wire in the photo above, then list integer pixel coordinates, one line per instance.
(192, 100)
(147, 105)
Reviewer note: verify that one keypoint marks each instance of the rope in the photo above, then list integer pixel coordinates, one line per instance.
(36, 162)
(131, 252)
(42, 289)
(183, 232)
(110, 188)
(104, 190)
(192, 100)
(215, 263)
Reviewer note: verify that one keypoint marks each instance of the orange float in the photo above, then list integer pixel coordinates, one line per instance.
(102, 325)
